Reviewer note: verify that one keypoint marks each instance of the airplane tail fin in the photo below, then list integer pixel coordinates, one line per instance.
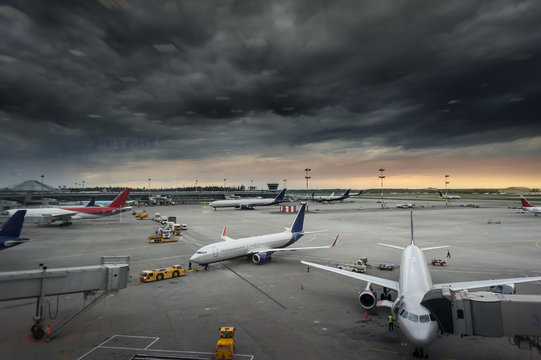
(120, 200)
(13, 226)
(346, 194)
(226, 238)
(91, 203)
(299, 220)
(525, 202)
(441, 194)
(280, 196)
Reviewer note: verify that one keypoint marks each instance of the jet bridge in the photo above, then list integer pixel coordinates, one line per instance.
(97, 280)
(488, 314)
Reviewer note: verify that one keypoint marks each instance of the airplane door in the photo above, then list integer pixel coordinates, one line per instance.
(214, 251)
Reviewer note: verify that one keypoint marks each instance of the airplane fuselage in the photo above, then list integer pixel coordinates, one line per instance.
(243, 247)
(240, 203)
(415, 281)
(533, 209)
(95, 211)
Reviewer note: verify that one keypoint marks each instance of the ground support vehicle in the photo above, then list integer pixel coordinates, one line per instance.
(158, 237)
(439, 262)
(141, 215)
(163, 273)
(354, 268)
(226, 343)
(385, 267)
(176, 230)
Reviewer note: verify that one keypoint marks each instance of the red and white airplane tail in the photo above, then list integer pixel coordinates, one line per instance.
(525, 202)
(120, 200)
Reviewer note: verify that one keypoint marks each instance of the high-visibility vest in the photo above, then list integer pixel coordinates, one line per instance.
(390, 319)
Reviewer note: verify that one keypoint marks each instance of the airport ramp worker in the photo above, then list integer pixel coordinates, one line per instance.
(391, 325)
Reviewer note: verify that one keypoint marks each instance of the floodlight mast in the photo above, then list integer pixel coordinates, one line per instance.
(381, 176)
(446, 183)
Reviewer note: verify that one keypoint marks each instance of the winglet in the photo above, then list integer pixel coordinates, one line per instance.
(223, 233)
(120, 200)
(335, 240)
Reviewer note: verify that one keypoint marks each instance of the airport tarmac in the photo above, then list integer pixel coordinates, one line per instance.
(280, 310)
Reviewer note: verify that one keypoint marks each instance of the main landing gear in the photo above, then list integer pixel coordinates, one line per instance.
(419, 353)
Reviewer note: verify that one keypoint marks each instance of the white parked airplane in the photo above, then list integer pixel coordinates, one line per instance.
(67, 214)
(332, 197)
(449, 197)
(417, 323)
(259, 248)
(529, 207)
(248, 203)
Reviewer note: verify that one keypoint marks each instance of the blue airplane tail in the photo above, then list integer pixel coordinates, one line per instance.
(299, 220)
(91, 202)
(280, 197)
(12, 227)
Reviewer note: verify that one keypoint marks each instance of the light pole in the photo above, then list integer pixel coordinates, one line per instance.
(285, 183)
(252, 184)
(307, 177)
(42, 176)
(149, 185)
(381, 176)
(225, 182)
(446, 183)
(196, 180)
(83, 184)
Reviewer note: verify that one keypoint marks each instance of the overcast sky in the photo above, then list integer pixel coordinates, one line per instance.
(115, 92)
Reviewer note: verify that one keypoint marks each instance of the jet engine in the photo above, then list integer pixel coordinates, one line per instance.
(261, 258)
(244, 207)
(368, 297)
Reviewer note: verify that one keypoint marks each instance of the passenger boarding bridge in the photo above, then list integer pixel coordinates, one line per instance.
(95, 281)
(488, 314)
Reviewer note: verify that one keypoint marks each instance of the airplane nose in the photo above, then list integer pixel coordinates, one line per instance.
(194, 258)
(422, 335)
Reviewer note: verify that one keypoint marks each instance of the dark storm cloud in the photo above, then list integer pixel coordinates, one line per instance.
(191, 79)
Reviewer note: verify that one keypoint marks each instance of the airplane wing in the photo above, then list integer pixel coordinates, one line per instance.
(435, 247)
(392, 246)
(484, 283)
(63, 215)
(390, 284)
(294, 249)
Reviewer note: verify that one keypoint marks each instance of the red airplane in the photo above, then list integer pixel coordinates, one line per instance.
(115, 207)
(66, 214)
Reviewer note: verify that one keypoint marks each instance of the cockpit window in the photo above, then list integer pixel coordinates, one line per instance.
(201, 252)
(413, 317)
(424, 318)
(404, 314)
